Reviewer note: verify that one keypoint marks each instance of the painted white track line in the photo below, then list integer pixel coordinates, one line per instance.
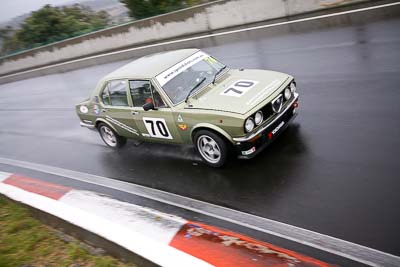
(205, 36)
(316, 240)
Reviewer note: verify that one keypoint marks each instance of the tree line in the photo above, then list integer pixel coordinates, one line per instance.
(140, 9)
(50, 23)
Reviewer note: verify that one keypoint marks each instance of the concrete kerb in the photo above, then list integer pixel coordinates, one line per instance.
(145, 236)
(87, 237)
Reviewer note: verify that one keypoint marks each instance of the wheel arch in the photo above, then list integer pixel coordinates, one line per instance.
(212, 128)
(101, 120)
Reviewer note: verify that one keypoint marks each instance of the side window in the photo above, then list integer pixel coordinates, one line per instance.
(142, 93)
(114, 93)
(158, 102)
(105, 96)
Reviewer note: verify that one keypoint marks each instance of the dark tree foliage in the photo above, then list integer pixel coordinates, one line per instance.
(5, 32)
(140, 9)
(50, 24)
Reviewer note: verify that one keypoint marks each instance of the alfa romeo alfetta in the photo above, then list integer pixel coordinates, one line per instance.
(189, 97)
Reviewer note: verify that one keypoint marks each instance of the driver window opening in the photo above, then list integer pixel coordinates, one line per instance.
(143, 92)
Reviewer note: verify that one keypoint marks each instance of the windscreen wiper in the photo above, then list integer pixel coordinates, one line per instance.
(218, 72)
(194, 88)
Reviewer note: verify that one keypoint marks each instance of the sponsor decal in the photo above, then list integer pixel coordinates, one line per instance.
(157, 128)
(180, 119)
(84, 109)
(274, 131)
(183, 127)
(178, 68)
(211, 60)
(120, 124)
(248, 152)
(96, 109)
(224, 248)
(239, 88)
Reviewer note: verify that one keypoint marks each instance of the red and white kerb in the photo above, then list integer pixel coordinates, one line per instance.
(164, 239)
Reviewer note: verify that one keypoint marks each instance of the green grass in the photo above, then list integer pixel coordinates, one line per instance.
(25, 241)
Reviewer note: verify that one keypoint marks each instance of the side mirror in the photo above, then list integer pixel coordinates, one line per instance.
(149, 106)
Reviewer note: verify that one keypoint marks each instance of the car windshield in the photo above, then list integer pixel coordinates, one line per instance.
(188, 76)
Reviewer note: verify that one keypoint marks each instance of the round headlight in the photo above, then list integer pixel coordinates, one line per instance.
(258, 118)
(293, 87)
(287, 93)
(249, 124)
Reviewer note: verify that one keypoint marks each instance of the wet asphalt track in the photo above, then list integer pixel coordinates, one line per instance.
(335, 170)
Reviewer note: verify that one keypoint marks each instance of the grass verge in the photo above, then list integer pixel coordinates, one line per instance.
(25, 241)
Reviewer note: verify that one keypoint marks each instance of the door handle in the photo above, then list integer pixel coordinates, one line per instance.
(134, 112)
(104, 110)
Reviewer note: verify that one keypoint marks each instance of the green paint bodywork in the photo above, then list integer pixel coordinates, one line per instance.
(206, 109)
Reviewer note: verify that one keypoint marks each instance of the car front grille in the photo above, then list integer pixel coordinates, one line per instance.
(268, 109)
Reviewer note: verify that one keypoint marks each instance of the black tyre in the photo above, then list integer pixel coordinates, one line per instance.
(212, 148)
(110, 137)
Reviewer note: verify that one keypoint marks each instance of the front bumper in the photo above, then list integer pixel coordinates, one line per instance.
(249, 146)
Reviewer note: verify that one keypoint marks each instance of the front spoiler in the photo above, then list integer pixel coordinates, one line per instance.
(264, 138)
(262, 129)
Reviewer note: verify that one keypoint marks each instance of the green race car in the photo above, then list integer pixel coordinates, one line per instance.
(188, 97)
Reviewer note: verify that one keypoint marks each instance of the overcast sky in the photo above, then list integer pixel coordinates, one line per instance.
(12, 8)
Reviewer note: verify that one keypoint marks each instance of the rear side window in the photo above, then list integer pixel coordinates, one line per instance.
(114, 93)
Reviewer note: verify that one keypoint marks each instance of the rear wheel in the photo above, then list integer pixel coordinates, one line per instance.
(110, 137)
(211, 147)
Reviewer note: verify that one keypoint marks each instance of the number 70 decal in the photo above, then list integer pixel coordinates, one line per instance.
(239, 88)
(157, 127)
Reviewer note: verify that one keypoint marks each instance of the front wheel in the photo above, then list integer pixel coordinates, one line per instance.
(211, 147)
(110, 137)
